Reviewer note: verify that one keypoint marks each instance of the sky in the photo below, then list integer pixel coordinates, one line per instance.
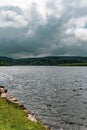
(35, 28)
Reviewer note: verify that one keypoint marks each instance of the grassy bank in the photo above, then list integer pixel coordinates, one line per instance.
(13, 117)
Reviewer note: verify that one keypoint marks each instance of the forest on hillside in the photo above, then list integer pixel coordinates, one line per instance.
(46, 61)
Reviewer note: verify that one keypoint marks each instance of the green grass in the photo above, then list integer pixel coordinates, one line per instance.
(14, 118)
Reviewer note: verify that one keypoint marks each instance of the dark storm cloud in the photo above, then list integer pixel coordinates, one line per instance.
(26, 34)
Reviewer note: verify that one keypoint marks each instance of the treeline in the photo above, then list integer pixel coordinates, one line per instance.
(52, 60)
(6, 61)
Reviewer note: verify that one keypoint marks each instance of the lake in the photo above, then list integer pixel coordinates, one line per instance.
(56, 95)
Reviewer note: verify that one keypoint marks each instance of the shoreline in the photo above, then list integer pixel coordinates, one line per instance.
(13, 100)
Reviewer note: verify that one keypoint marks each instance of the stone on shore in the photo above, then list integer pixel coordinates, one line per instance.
(3, 95)
(2, 90)
(32, 118)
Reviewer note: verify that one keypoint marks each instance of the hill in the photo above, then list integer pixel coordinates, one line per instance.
(46, 61)
(52, 60)
(5, 61)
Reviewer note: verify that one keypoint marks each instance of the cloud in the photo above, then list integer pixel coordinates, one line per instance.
(83, 3)
(10, 18)
(78, 28)
(40, 28)
(81, 34)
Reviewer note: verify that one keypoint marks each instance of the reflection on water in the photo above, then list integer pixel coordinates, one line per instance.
(57, 95)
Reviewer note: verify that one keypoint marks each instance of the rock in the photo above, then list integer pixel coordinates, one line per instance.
(14, 99)
(17, 103)
(32, 118)
(3, 90)
(26, 110)
(3, 95)
(22, 106)
(47, 128)
(1, 86)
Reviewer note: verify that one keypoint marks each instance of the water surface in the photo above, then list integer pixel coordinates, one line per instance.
(57, 95)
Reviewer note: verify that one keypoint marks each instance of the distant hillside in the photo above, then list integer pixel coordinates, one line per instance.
(52, 60)
(5, 61)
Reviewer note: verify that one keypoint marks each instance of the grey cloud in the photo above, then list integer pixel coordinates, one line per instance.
(48, 38)
(12, 17)
(11, 8)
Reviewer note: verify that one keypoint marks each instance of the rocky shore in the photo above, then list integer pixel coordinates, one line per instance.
(30, 116)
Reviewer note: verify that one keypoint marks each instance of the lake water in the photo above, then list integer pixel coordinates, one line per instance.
(56, 95)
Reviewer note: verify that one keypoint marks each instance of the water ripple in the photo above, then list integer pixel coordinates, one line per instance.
(57, 95)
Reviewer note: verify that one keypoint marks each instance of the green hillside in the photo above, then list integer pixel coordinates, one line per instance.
(46, 61)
